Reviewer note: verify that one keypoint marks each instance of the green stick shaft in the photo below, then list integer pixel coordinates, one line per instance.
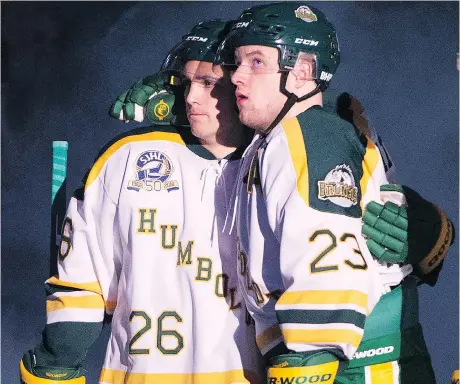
(59, 172)
(58, 199)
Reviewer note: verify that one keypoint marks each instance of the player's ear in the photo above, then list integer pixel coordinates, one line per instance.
(303, 71)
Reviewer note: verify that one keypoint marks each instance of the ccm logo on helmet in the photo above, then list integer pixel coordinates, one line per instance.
(197, 38)
(374, 352)
(242, 24)
(300, 379)
(312, 43)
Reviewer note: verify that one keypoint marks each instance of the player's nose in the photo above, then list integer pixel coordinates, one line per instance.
(238, 76)
(192, 94)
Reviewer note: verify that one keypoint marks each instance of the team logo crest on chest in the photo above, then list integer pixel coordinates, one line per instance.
(339, 187)
(153, 172)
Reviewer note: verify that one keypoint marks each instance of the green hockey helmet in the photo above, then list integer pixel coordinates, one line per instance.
(291, 27)
(199, 44)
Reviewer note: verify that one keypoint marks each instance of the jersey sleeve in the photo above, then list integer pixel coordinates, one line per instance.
(315, 184)
(86, 285)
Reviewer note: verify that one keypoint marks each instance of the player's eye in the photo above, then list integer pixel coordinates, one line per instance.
(208, 83)
(256, 63)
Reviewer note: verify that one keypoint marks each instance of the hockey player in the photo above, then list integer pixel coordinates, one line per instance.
(307, 276)
(390, 237)
(425, 228)
(144, 94)
(143, 241)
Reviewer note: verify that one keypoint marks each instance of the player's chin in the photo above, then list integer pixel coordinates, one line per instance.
(202, 130)
(248, 118)
(243, 115)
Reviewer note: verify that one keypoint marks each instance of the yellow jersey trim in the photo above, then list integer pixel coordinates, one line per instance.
(92, 286)
(82, 302)
(298, 152)
(100, 162)
(369, 163)
(325, 297)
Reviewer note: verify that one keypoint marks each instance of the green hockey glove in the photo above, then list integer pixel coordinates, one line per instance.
(313, 367)
(31, 373)
(159, 97)
(408, 229)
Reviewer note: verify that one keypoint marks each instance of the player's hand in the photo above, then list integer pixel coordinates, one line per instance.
(32, 373)
(158, 97)
(408, 229)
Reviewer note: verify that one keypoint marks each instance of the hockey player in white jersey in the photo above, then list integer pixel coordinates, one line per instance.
(386, 226)
(388, 237)
(307, 276)
(143, 241)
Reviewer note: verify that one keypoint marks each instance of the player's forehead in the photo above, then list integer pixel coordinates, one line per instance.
(260, 51)
(199, 69)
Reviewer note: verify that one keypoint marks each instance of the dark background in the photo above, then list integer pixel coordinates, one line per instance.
(64, 63)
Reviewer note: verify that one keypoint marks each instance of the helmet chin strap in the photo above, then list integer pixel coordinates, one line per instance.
(291, 100)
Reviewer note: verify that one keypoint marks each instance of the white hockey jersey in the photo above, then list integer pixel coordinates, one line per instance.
(145, 243)
(308, 278)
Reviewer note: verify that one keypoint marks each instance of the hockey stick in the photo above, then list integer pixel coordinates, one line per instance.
(58, 199)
